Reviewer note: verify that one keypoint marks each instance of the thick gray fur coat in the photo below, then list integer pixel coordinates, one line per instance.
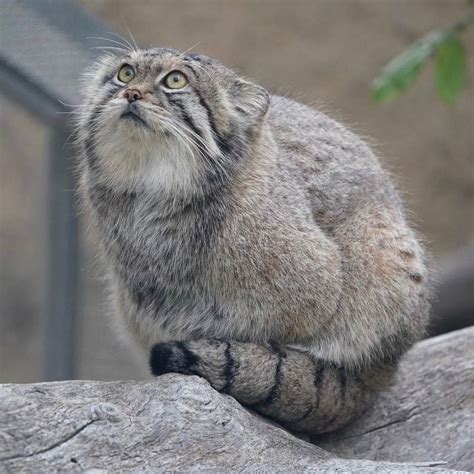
(249, 239)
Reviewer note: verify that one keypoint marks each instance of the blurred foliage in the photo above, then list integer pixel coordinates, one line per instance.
(446, 49)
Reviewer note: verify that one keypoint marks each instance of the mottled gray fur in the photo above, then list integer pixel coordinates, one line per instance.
(249, 239)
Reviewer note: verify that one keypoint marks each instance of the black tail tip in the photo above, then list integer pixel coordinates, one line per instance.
(160, 358)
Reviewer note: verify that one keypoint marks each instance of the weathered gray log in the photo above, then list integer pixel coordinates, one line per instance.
(179, 423)
(427, 413)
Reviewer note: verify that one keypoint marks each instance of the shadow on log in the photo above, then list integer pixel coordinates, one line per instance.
(179, 423)
(453, 307)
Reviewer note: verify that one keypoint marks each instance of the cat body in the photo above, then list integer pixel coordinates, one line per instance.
(249, 239)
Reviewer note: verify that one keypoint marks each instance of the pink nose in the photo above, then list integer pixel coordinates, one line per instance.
(132, 95)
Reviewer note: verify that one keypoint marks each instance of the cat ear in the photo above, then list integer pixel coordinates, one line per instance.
(251, 101)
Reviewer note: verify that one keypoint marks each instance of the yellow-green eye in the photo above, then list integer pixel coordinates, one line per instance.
(176, 80)
(126, 73)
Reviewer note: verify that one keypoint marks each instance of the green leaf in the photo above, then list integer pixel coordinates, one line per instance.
(399, 73)
(450, 68)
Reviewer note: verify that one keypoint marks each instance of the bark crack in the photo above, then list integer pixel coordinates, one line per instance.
(412, 414)
(53, 446)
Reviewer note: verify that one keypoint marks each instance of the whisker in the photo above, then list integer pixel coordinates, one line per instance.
(199, 139)
(110, 47)
(127, 48)
(70, 105)
(189, 144)
(189, 49)
(206, 71)
(67, 141)
(201, 147)
(203, 69)
(120, 37)
(130, 34)
(201, 144)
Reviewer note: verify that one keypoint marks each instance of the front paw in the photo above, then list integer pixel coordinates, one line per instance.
(176, 357)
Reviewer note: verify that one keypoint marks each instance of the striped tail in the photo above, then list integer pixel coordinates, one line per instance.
(286, 385)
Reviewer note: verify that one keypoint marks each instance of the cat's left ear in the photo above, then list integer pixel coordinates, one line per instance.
(251, 101)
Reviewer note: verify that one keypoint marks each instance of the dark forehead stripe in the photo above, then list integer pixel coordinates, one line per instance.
(195, 57)
(201, 58)
(161, 52)
(168, 53)
(175, 52)
(193, 69)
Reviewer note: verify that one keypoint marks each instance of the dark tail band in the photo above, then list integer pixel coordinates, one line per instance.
(286, 385)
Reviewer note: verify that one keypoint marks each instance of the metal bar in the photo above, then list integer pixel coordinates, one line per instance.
(23, 90)
(44, 46)
(60, 332)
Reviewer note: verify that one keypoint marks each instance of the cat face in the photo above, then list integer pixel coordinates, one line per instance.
(166, 119)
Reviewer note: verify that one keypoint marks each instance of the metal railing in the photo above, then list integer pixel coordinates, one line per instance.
(44, 46)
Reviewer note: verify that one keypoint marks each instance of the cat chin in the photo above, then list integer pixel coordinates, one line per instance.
(155, 163)
(131, 128)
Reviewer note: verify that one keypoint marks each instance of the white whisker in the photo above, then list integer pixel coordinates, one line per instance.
(125, 47)
(130, 34)
(109, 48)
(76, 106)
(189, 49)
(201, 147)
(125, 40)
(203, 69)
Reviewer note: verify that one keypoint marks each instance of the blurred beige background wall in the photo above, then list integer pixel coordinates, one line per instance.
(321, 52)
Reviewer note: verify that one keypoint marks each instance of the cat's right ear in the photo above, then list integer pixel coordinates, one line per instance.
(251, 101)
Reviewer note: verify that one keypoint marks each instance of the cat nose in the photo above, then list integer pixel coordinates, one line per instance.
(132, 95)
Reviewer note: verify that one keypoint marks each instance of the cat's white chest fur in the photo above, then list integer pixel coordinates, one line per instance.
(134, 158)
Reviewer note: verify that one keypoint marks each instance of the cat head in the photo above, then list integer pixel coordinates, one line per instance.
(167, 120)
